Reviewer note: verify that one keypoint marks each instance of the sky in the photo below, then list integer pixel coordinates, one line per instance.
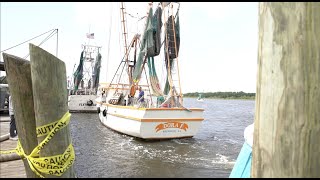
(218, 45)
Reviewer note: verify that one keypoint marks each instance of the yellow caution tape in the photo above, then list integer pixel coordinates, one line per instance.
(8, 152)
(53, 165)
(44, 130)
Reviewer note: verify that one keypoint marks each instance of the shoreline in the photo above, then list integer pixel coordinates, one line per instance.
(222, 98)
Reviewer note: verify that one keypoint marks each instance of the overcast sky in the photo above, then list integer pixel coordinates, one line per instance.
(219, 40)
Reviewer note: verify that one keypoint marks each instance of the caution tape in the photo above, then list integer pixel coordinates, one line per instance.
(8, 152)
(52, 165)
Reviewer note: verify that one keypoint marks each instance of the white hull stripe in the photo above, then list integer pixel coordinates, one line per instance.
(157, 119)
(150, 109)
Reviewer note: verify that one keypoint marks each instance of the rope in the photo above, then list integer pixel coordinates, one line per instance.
(176, 49)
(121, 74)
(148, 85)
(47, 38)
(27, 40)
(118, 69)
(116, 72)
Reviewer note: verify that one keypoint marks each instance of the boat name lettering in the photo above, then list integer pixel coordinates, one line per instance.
(85, 104)
(166, 125)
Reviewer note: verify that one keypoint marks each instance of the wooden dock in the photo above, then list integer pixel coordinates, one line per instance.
(9, 169)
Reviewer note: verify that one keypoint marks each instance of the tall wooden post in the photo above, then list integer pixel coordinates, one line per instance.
(49, 82)
(20, 86)
(287, 117)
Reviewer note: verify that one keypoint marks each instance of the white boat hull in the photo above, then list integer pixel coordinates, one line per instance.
(151, 123)
(81, 103)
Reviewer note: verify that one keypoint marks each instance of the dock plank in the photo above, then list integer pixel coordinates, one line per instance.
(10, 169)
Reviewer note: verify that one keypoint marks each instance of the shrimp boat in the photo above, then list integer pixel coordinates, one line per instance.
(162, 114)
(83, 91)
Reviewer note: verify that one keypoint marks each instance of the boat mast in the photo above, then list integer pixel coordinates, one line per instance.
(125, 40)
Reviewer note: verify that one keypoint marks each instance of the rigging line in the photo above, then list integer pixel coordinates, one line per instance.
(174, 19)
(110, 28)
(53, 33)
(48, 37)
(148, 84)
(166, 49)
(122, 60)
(131, 15)
(125, 62)
(27, 40)
(169, 75)
(115, 73)
(177, 10)
(176, 52)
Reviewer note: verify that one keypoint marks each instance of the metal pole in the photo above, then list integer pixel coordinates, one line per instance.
(57, 43)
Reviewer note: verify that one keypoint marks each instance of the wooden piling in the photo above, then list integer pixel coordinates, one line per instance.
(287, 117)
(19, 80)
(49, 82)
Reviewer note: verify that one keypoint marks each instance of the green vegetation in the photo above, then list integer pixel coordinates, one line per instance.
(222, 95)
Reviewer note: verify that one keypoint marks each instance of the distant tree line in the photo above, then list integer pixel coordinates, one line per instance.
(222, 95)
(3, 80)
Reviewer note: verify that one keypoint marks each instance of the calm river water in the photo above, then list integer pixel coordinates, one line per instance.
(101, 152)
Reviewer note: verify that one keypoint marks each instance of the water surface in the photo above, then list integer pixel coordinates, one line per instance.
(212, 152)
